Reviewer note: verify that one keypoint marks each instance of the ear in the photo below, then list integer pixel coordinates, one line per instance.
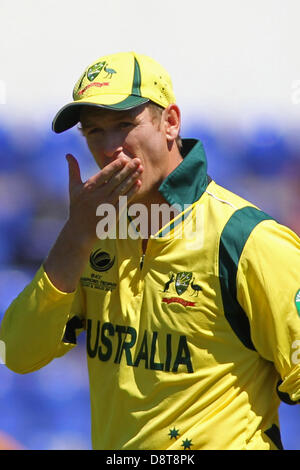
(172, 122)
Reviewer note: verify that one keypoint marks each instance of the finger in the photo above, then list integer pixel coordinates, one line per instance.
(104, 175)
(124, 187)
(74, 171)
(119, 180)
(133, 190)
(129, 195)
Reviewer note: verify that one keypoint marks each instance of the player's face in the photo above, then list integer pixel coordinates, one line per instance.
(129, 134)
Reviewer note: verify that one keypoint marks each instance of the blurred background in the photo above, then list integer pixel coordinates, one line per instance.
(236, 73)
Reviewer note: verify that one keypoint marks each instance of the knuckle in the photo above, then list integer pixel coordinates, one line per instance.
(89, 187)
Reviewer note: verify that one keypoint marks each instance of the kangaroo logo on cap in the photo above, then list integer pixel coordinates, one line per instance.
(95, 69)
(91, 73)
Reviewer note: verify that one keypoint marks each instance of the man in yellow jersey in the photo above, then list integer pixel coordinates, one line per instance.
(192, 323)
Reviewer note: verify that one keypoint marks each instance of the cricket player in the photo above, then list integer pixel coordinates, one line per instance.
(192, 323)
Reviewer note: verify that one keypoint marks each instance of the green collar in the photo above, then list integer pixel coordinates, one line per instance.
(186, 184)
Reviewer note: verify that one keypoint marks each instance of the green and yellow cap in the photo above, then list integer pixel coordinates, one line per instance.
(119, 81)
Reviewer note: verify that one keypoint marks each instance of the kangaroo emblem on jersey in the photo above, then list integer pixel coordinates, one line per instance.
(167, 284)
(179, 283)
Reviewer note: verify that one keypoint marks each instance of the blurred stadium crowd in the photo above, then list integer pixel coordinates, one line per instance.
(49, 409)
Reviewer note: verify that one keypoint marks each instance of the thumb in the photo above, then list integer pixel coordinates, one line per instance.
(74, 171)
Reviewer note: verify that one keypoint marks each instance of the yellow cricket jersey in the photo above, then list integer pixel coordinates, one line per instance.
(189, 347)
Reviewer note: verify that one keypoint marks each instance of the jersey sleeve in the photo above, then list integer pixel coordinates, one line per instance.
(268, 290)
(39, 324)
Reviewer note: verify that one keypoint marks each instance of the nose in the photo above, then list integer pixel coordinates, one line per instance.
(112, 145)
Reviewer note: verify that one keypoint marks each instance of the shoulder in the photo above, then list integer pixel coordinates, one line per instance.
(234, 217)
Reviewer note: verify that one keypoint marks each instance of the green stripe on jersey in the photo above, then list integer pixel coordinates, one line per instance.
(233, 238)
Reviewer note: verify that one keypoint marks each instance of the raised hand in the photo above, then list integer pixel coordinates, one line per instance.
(71, 250)
(119, 178)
